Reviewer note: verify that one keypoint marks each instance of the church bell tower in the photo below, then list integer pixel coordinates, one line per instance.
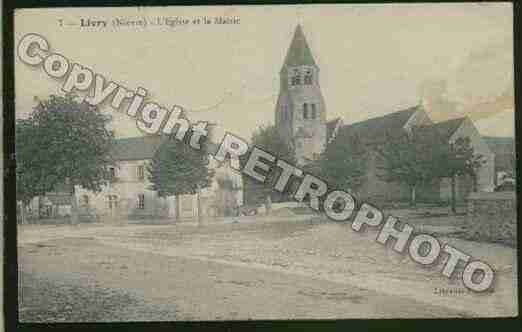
(300, 114)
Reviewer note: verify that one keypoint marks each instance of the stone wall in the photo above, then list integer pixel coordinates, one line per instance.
(492, 216)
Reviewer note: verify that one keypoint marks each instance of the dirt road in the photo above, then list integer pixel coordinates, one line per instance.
(277, 270)
(83, 280)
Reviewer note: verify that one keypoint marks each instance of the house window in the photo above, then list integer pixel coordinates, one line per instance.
(112, 172)
(313, 112)
(141, 201)
(308, 77)
(85, 200)
(296, 78)
(140, 172)
(305, 111)
(112, 201)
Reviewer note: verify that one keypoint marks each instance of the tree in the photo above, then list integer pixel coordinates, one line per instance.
(30, 181)
(177, 169)
(410, 158)
(511, 172)
(226, 202)
(458, 158)
(343, 163)
(68, 143)
(268, 138)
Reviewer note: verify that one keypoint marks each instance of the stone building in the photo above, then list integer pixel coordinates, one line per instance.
(451, 130)
(504, 150)
(374, 131)
(128, 195)
(300, 116)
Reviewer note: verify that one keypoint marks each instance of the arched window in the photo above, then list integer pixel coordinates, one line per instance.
(305, 111)
(308, 77)
(296, 78)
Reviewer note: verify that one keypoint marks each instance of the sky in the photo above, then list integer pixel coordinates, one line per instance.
(455, 59)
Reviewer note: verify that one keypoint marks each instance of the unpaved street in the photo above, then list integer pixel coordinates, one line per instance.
(274, 270)
(82, 280)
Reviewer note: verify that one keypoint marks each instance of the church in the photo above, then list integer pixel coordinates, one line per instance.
(301, 119)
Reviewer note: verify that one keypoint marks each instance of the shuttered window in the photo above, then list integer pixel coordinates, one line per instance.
(141, 202)
(140, 172)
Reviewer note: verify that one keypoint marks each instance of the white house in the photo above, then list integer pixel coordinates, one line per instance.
(129, 195)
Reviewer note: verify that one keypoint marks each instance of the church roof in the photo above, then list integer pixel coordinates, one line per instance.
(446, 128)
(299, 52)
(376, 129)
(331, 126)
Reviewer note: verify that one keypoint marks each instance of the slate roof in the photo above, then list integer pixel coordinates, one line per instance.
(330, 127)
(136, 148)
(299, 52)
(375, 129)
(445, 128)
(144, 147)
(500, 144)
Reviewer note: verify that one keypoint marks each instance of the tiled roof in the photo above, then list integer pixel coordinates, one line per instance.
(299, 52)
(376, 129)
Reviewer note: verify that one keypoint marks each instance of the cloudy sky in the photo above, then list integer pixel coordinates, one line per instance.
(374, 59)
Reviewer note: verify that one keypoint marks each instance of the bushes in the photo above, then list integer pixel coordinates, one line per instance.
(492, 217)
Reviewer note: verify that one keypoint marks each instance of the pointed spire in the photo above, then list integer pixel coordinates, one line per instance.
(299, 52)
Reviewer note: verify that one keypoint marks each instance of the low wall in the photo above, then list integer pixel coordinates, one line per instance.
(492, 216)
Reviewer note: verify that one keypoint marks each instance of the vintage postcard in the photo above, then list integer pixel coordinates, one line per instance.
(265, 162)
